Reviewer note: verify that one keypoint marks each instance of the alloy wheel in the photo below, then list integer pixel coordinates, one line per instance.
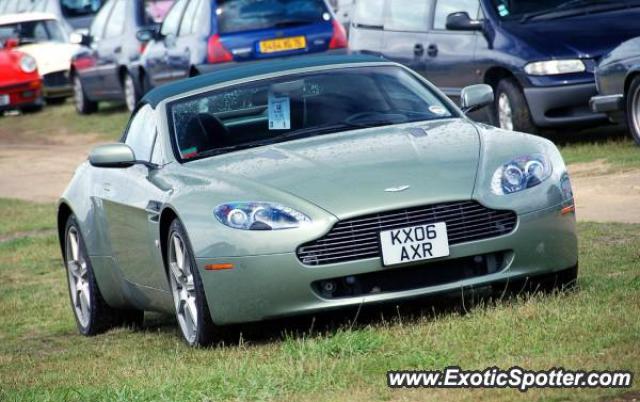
(635, 109)
(183, 287)
(129, 92)
(505, 113)
(78, 93)
(78, 273)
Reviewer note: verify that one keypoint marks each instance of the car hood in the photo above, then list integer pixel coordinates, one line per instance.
(354, 173)
(51, 56)
(578, 35)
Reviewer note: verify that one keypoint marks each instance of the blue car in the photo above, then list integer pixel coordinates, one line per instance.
(198, 36)
(539, 56)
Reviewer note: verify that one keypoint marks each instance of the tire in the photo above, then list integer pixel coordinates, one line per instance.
(145, 82)
(82, 103)
(131, 92)
(633, 109)
(92, 313)
(197, 328)
(510, 109)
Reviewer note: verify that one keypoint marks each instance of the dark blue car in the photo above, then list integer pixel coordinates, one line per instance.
(198, 36)
(538, 55)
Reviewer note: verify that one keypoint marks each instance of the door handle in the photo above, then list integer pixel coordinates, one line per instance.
(117, 50)
(432, 50)
(418, 50)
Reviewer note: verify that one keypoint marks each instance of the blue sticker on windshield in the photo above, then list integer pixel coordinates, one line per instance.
(279, 113)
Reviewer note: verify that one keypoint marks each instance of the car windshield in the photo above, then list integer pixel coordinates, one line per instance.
(299, 106)
(522, 9)
(33, 32)
(75, 8)
(248, 15)
(156, 10)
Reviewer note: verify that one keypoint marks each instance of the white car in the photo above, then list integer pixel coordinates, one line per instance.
(342, 9)
(42, 36)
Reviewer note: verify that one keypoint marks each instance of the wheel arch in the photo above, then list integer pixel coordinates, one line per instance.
(167, 216)
(628, 79)
(64, 212)
(496, 73)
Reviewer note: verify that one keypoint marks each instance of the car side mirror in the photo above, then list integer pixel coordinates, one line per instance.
(461, 21)
(78, 38)
(476, 97)
(116, 155)
(148, 34)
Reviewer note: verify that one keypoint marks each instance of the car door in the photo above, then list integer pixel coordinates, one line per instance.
(110, 48)
(367, 27)
(89, 66)
(157, 55)
(406, 32)
(450, 55)
(188, 39)
(131, 201)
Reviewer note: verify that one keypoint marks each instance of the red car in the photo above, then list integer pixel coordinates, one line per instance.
(20, 83)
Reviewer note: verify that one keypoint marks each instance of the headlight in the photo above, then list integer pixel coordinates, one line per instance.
(520, 174)
(555, 67)
(259, 216)
(28, 64)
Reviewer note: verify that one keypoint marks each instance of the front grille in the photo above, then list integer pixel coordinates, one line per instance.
(358, 238)
(57, 79)
(412, 277)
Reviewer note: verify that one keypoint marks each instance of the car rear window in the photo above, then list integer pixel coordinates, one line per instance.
(299, 106)
(249, 15)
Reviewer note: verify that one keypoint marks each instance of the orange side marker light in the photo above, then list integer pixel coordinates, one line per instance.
(218, 267)
(568, 210)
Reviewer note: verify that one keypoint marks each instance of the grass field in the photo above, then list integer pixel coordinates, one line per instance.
(42, 357)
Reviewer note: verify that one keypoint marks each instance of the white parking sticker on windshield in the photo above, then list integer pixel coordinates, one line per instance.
(279, 113)
(439, 110)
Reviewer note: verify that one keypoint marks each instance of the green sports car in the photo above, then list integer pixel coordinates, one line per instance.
(303, 185)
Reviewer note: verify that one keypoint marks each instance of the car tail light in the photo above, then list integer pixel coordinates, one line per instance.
(216, 52)
(143, 45)
(339, 38)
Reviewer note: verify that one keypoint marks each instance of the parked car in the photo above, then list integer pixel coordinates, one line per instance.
(200, 35)
(539, 56)
(41, 36)
(231, 199)
(20, 83)
(74, 14)
(107, 66)
(618, 82)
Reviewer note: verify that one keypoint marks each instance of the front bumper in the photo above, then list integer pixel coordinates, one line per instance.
(57, 85)
(607, 103)
(565, 105)
(269, 286)
(21, 95)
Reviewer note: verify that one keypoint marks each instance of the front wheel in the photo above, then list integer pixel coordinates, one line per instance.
(131, 93)
(510, 109)
(633, 109)
(192, 311)
(82, 103)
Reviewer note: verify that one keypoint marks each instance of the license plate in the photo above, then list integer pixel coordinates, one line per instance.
(4, 100)
(416, 243)
(283, 44)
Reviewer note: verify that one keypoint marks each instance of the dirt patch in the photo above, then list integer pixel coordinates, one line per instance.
(40, 169)
(604, 195)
